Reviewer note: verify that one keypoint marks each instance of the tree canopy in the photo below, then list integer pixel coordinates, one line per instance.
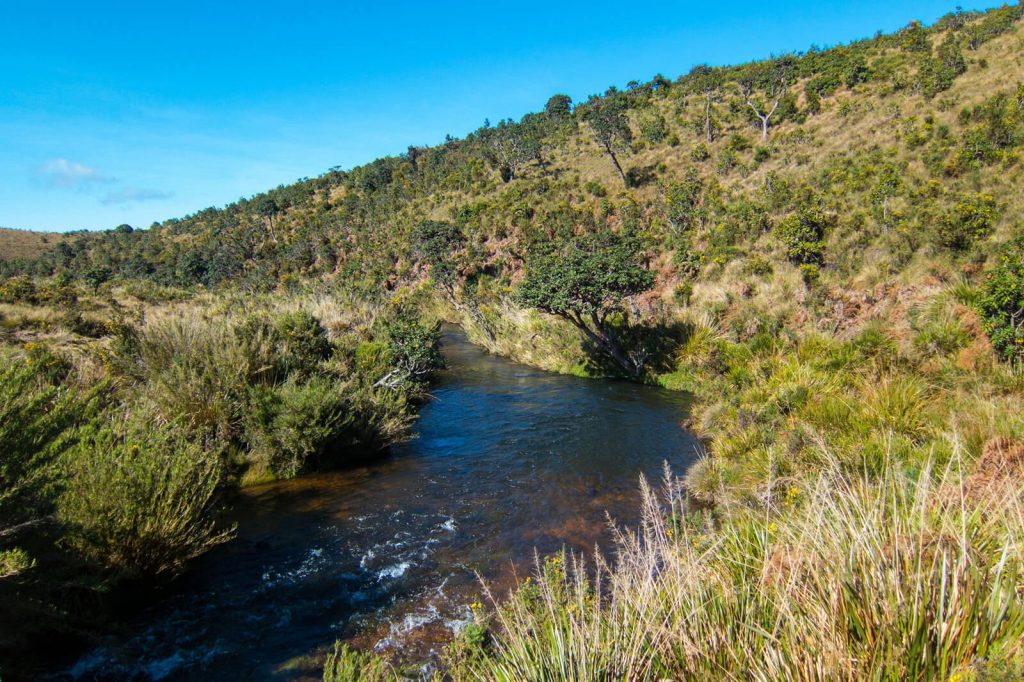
(585, 282)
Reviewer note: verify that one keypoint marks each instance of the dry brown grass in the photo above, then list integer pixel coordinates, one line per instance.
(15, 244)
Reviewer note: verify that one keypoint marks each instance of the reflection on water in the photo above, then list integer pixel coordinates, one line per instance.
(507, 459)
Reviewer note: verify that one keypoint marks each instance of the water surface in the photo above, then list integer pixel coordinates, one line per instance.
(506, 460)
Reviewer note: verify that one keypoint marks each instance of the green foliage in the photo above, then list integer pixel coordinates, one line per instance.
(140, 498)
(938, 73)
(1001, 303)
(700, 153)
(436, 243)
(38, 422)
(969, 220)
(290, 428)
(608, 121)
(19, 289)
(586, 278)
(653, 128)
(685, 202)
(301, 343)
(803, 234)
(559, 106)
(414, 349)
(585, 281)
(350, 665)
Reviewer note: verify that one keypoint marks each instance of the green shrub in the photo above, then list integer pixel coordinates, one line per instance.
(803, 235)
(1001, 303)
(684, 201)
(759, 266)
(700, 153)
(415, 349)
(653, 128)
(302, 344)
(372, 361)
(290, 426)
(682, 293)
(45, 363)
(810, 273)
(971, 219)
(20, 289)
(38, 423)
(595, 188)
(737, 143)
(140, 498)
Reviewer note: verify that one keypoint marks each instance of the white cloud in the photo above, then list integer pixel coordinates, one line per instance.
(127, 195)
(69, 175)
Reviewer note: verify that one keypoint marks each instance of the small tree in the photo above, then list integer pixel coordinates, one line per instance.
(609, 123)
(559, 107)
(970, 219)
(511, 146)
(414, 349)
(764, 87)
(803, 234)
(268, 209)
(586, 282)
(708, 82)
(436, 243)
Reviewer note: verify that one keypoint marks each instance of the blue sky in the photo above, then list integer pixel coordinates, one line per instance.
(114, 112)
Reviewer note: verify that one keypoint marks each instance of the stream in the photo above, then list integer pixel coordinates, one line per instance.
(506, 460)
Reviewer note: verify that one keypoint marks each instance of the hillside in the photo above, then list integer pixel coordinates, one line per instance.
(921, 103)
(825, 249)
(25, 244)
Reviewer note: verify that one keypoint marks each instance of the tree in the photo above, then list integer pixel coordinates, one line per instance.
(584, 283)
(559, 106)
(415, 350)
(708, 82)
(763, 88)
(436, 243)
(609, 123)
(803, 233)
(268, 209)
(511, 146)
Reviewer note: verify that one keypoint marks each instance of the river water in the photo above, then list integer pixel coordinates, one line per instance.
(506, 460)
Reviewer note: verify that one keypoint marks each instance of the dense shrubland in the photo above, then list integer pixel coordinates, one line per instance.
(119, 447)
(824, 248)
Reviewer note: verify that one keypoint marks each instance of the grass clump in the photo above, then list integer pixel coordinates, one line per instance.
(349, 665)
(842, 578)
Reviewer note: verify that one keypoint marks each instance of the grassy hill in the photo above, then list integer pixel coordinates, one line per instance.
(26, 245)
(827, 249)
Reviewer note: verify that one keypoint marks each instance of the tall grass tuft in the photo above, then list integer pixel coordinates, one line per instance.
(841, 579)
(350, 665)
